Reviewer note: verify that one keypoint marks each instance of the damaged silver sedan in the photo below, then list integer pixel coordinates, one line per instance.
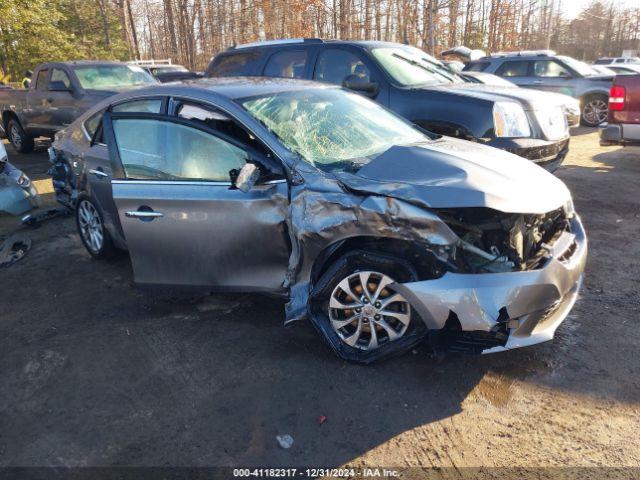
(382, 234)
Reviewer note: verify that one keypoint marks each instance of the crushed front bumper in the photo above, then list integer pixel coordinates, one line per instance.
(520, 308)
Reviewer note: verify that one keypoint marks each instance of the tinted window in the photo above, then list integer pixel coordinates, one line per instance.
(476, 66)
(619, 60)
(335, 65)
(237, 64)
(288, 64)
(41, 81)
(518, 68)
(602, 61)
(160, 150)
(549, 68)
(58, 75)
(151, 105)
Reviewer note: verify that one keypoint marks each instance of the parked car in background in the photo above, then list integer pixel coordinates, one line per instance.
(608, 61)
(165, 71)
(17, 193)
(375, 230)
(602, 70)
(59, 93)
(544, 70)
(416, 86)
(626, 69)
(623, 124)
(570, 105)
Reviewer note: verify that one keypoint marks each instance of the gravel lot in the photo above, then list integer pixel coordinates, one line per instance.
(94, 372)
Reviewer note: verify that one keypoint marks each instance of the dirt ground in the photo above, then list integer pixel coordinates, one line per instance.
(94, 372)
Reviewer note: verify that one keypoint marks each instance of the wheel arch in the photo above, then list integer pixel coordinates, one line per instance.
(423, 261)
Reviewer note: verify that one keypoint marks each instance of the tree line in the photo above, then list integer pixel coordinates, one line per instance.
(191, 31)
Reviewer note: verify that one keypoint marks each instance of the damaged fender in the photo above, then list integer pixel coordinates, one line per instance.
(324, 215)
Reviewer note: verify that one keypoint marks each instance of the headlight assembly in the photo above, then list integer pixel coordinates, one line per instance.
(510, 120)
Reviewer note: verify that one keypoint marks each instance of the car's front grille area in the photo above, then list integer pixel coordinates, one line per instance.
(542, 154)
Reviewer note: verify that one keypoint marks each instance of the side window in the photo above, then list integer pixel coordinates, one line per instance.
(335, 65)
(619, 60)
(41, 81)
(288, 64)
(150, 105)
(518, 68)
(476, 66)
(58, 75)
(92, 123)
(160, 150)
(236, 64)
(549, 68)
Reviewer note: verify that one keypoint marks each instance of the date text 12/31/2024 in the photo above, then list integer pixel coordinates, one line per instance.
(315, 473)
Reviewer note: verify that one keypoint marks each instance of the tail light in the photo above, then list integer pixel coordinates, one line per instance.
(616, 97)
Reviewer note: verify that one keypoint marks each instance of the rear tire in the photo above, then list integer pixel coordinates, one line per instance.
(391, 329)
(93, 233)
(594, 110)
(21, 142)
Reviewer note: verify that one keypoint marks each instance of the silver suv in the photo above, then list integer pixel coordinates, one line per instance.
(544, 70)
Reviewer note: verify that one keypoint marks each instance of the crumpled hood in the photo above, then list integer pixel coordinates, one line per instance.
(529, 98)
(451, 173)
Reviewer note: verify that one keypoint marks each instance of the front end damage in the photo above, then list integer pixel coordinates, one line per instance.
(515, 299)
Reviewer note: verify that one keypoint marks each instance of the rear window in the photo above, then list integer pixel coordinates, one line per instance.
(237, 64)
(602, 61)
(476, 66)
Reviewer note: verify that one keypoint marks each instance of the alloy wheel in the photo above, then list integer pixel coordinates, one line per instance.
(90, 226)
(16, 137)
(366, 313)
(595, 111)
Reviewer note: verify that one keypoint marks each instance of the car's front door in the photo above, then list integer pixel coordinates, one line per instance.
(184, 221)
(60, 100)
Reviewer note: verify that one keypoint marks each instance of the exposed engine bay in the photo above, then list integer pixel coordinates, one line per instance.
(493, 241)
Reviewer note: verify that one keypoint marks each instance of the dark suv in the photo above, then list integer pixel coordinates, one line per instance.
(410, 82)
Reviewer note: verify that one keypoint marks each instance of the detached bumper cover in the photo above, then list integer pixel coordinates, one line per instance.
(536, 301)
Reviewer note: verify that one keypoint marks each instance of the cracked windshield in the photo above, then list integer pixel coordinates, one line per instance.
(330, 128)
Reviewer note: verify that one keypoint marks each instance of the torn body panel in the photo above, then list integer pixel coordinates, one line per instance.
(326, 215)
(535, 301)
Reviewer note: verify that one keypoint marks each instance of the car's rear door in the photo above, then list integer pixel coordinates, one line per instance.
(183, 220)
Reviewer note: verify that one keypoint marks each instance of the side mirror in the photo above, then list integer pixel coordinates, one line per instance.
(565, 75)
(59, 87)
(247, 177)
(360, 84)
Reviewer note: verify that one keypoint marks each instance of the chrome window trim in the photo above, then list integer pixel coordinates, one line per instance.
(187, 182)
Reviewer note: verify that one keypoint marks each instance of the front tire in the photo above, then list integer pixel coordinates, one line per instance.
(93, 233)
(21, 142)
(357, 311)
(595, 109)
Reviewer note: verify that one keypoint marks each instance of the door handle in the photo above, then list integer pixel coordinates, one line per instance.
(50, 99)
(143, 214)
(99, 173)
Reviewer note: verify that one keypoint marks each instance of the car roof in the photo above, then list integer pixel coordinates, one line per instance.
(85, 63)
(230, 87)
(309, 41)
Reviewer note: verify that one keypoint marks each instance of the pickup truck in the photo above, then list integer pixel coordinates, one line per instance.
(623, 121)
(59, 93)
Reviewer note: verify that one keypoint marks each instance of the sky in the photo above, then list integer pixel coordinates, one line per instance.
(572, 8)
